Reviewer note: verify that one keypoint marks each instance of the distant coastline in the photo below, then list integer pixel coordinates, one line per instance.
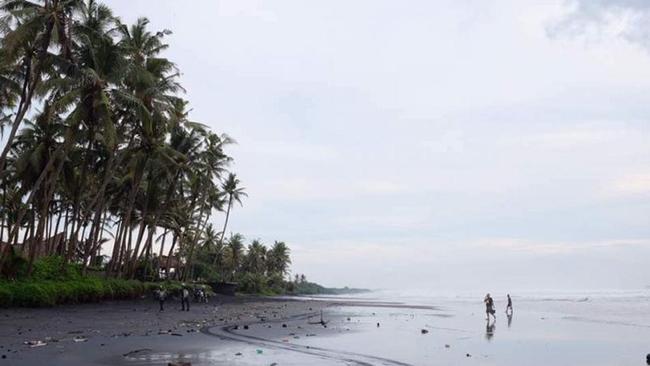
(311, 288)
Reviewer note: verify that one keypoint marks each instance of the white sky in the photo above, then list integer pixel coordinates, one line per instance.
(441, 144)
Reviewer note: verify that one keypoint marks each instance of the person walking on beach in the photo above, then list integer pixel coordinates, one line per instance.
(162, 296)
(509, 306)
(185, 299)
(489, 306)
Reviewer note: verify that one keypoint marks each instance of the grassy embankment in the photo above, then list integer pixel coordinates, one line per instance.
(53, 283)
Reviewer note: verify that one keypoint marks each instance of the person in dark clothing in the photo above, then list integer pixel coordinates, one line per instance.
(509, 306)
(489, 306)
(162, 296)
(185, 299)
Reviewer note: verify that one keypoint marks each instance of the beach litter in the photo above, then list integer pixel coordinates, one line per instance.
(179, 364)
(37, 343)
(259, 351)
(80, 339)
(136, 352)
(424, 331)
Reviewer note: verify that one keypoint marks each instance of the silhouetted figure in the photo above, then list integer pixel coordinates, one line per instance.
(185, 299)
(489, 307)
(509, 306)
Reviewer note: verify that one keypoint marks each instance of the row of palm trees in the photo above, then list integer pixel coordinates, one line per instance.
(228, 260)
(99, 151)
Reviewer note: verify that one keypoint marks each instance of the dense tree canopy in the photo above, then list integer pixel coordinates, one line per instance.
(100, 157)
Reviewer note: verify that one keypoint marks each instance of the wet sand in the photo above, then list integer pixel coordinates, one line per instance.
(263, 331)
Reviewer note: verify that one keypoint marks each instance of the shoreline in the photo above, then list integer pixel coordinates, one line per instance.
(134, 332)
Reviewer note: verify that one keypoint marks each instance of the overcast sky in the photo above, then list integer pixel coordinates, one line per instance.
(440, 144)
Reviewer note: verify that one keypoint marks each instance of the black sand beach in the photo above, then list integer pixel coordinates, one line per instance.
(363, 331)
(125, 332)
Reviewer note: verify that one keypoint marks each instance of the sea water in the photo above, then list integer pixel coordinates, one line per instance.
(546, 328)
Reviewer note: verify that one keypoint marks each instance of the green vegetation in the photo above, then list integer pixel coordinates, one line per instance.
(100, 149)
(300, 286)
(54, 282)
(255, 268)
(106, 184)
(101, 161)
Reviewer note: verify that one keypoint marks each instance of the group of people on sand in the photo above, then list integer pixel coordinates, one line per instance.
(489, 306)
(200, 295)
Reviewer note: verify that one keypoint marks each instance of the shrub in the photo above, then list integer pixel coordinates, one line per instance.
(37, 293)
(6, 295)
(53, 268)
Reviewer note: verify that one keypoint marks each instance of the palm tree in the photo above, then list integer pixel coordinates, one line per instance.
(256, 258)
(235, 254)
(28, 32)
(231, 186)
(112, 151)
(278, 259)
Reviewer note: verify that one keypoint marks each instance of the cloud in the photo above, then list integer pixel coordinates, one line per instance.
(554, 247)
(634, 185)
(603, 19)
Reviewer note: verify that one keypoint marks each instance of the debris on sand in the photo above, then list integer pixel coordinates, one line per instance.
(79, 339)
(179, 364)
(424, 331)
(36, 343)
(447, 346)
(238, 354)
(136, 352)
(468, 355)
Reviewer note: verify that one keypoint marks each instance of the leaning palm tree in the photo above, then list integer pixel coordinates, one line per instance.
(28, 31)
(235, 193)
